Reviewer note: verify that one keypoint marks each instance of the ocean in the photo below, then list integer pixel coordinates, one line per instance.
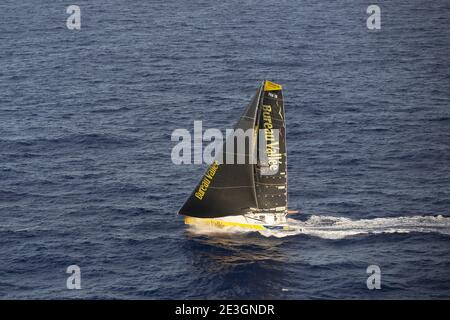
(86, 176)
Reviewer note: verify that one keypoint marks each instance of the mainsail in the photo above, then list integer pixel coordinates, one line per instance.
(229, 187)
(270, 171)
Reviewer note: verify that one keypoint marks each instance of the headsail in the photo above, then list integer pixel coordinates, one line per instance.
(227, 189)
(236, 189)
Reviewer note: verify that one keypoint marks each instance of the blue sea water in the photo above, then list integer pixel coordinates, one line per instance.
(86, 118)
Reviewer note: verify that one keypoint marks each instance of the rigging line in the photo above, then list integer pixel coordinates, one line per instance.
(276, 119)
(272, 184)
(238, 154)
(260, 220)
(233, 187)
(257, 114)
(261, 167)
(272, 98)
(281, 116)
(283, 153)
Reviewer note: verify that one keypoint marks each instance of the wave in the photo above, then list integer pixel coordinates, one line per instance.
(330, 227)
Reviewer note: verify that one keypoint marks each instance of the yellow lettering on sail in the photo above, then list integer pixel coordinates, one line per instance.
(272, 146)
(206, 181)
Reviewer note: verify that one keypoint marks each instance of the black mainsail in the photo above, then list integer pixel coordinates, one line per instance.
(270, 171)
(230, 187)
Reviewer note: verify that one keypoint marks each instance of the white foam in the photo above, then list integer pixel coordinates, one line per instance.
(211, 230)
(329, 227)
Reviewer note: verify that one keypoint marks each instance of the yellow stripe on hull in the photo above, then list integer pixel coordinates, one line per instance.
(221, 223)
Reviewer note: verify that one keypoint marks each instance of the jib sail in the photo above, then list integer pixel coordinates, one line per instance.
(227, 188)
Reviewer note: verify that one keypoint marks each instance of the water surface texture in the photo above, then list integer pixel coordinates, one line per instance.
(86, 118)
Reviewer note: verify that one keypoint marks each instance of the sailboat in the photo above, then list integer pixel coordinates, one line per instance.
(251, 195)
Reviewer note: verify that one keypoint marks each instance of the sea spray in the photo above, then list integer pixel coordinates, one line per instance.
(331, 227)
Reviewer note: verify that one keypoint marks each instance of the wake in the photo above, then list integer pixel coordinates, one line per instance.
(329, 227)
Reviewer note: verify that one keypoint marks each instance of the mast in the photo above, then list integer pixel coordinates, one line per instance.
(256, 134)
